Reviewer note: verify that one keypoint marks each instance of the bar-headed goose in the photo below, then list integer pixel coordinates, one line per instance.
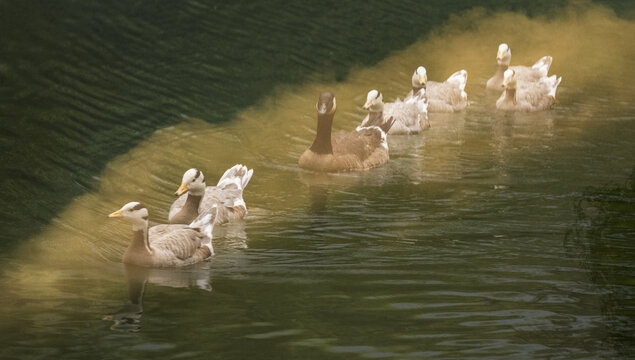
(166, 245)
(343, 150)
(534, 73)
(528, 96)
(447, 96)
(226, 196)
(409, 116)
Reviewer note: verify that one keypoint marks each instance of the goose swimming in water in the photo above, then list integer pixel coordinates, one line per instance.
(361, 149)
(530, 96)
(535, 73)
(166, 245)
(226, 196)
(447, 96)
(409, 116)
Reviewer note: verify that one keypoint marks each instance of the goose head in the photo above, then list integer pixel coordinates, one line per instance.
(509, 79)
(374, 101)
(504, 55)
(193, 181)
(326, 104)
(419, 78)
(133, 212)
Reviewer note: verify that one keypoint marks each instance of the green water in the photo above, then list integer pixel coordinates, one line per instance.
(491, 235)
(84, 81)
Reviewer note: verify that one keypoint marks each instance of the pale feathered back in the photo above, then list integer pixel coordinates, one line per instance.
(527, 96)
(408, 117)
(535, 73)
(448, 96)
(166, 245)
(227, 196)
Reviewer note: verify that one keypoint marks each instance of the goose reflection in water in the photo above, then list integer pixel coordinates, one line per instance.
(233, 235)
(128, 317)
(322, 185)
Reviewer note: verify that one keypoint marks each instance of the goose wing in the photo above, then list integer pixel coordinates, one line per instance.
(409, 115)
(361, 143)
(449, 93)
(543, 65)
(527, 74)
(176, 242)
(229, 202)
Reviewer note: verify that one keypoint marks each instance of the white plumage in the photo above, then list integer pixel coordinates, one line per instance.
(226, 196)
(447, 96)
(525, 74)
(527, 96)
(409, 116)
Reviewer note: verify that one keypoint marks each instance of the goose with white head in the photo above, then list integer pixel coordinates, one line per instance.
(195, 198)
(408, 117)
(361, 149)
(532, 96)
(448, 96)
(524, 74)
(166, 245)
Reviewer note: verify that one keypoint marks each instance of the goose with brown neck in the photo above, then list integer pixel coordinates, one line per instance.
(525, 74)
(196, 198)
(407, 117)
(166, 245)
(361, 149)
(448, 96)
(531, 96)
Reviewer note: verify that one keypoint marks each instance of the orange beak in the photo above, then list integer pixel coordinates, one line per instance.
(118, 213)
(183, 188)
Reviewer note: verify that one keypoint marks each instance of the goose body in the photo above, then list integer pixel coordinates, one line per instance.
(340, 151)
(531, 96)
(166, 245)
(524, 74)
(408, 117)
(448, 96)
(226, 196)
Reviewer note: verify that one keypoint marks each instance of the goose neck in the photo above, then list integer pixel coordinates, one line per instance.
(510, 93)
(500, 71)
(192, 202)
(322, 143)
(140, 238)
(376, 117)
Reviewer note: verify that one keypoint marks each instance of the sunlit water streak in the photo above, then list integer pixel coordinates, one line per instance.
(453, 249)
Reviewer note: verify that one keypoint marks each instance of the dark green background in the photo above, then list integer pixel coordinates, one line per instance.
(84, 81)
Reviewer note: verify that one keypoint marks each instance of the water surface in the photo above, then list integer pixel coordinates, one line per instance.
(491, 235)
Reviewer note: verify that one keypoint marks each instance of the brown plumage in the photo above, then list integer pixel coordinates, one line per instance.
(343, 150)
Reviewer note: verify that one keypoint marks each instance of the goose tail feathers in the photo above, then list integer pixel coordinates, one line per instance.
(458, 79)
(385, 127)
(238, 175)
(554, 86)
(543, 65)
(205, 223)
